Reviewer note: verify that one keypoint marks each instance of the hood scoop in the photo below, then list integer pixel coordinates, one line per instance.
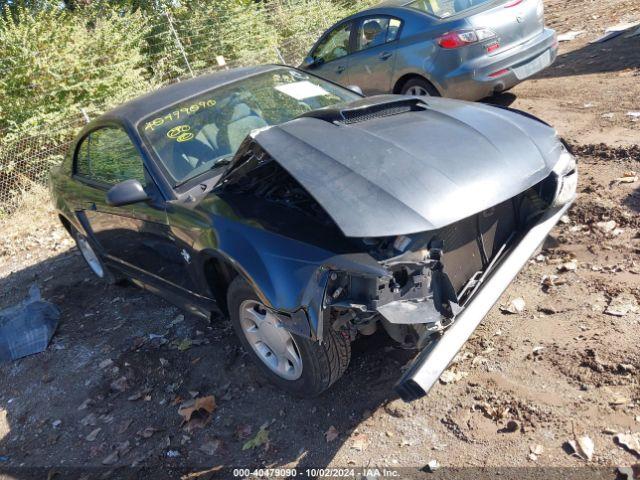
(368, 109)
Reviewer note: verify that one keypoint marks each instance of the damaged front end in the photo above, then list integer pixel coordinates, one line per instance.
(416, 246)
(434, 280)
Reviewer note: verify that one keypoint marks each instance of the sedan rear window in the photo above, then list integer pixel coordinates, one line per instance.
(203, 133)
(446, 8)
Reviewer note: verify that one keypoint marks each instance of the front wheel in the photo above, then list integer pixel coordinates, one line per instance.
(296, 364)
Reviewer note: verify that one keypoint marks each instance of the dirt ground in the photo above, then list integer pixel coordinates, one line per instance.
(106, 392)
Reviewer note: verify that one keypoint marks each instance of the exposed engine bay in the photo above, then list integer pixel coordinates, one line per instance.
(430, 275)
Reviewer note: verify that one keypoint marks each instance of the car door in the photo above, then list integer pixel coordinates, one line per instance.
(331, 54)
(373, 56)
(135, 238)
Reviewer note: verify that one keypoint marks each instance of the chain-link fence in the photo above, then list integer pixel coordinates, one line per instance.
(176, 48)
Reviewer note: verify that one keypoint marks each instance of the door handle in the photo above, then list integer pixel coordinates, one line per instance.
(340, 69)
(385, 55)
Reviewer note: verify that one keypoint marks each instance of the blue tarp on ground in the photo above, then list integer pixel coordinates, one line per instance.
(27, 328)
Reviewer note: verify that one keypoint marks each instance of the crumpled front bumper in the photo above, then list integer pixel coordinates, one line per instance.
(427, 367)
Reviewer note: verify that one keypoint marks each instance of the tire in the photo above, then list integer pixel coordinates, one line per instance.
(321, 364)
(416, 84)
(94, 261)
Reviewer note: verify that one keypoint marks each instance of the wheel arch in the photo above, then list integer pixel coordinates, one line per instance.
(397, 88)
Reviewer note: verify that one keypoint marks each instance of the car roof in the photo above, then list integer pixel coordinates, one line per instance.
(141, 107)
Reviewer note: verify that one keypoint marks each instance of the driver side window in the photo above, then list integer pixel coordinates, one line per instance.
(107, 155)
(335, 45)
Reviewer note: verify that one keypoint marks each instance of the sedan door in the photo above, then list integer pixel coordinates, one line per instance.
(135, 238)
(331, 54)
(372, 62)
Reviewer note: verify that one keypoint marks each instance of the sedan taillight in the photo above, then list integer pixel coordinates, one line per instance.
(462, 38)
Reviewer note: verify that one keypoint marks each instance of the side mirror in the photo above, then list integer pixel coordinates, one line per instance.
(356, 88)
(309, 62)
(126, 193)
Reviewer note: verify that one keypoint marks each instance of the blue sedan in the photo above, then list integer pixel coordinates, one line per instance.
(467, 49)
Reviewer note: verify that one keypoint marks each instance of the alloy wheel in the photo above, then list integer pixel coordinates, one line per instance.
(273, 345)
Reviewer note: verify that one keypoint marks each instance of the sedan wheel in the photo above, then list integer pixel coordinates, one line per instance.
(296, 363)
(417, 91)
(272, 344)
(419, 87)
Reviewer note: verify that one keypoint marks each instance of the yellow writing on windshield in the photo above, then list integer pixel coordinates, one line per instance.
(181, 133)
(182, 112)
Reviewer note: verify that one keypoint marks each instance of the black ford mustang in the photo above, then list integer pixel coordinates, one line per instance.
(311, 215)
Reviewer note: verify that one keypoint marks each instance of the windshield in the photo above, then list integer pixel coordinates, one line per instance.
(204, 132)
(446, 8)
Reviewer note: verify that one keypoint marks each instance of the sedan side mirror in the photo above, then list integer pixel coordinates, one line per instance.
(309, 62)
(356, 88)
(126, 193)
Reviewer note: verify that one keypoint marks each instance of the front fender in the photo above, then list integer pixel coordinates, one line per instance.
(288, 276)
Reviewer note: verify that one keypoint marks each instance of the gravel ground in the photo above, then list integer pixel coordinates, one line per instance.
(106, 393)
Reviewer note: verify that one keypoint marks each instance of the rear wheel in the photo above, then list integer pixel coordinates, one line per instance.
(295, 364)
(419, 87)
(93, 260)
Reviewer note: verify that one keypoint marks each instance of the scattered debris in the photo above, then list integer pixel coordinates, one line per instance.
(105, 363)
(571, 35)
(517, 305)
(628, 177)
(511, 427)
(173, 453)
(210, 447)
(360, 442)
(93, 435)
(196, 413)
(622, 305)
(631, 441)
(27, 328)
(535, 451)
(111, 459)
(449, 376)
(331, 434)
(614, 31)
(607, 227)
(583, 447)
(433, 465)
(119, 385)
(549, 281)
(570, 266)
(261, 438)
(609, 115)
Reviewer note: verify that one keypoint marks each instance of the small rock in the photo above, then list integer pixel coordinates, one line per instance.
(630, 441)
(565, 219)
(622, 305)
(512, 426)
(433, 465)
(583, 447)
(452, 377)
(210, 447)
(93, 435)
(571, 266)
(606, 227)
(517, 305)
(111, 458)
(173, 454)
(105, 363)
(56, 423)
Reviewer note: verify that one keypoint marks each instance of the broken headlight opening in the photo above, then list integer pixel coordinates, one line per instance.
(412, 303)
(566, 174)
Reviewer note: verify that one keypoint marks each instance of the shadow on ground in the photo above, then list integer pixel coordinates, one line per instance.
(118, 363)
(615, 55)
